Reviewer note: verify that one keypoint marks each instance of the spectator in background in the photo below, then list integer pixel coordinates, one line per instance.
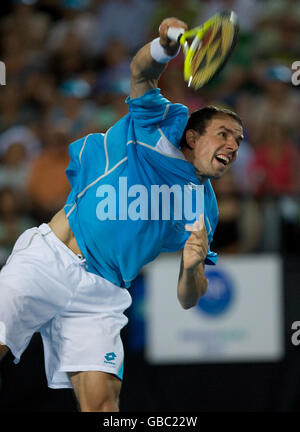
(74, 108)
(14, 166)
(239, 227)
(47, 185)
(131, 17)
(11, 106)
(187, 11)
(246, 10)
(111, 87)
(13, 54)
(116, 64)
(246, 155)
(23, 34)
(39, 91)
(275, 166)
(69, 59)
(279, 102)
(278, 29)
(69, 41)
(111, 106)
(77, 22)
(12, 221)
(176, 90)
(23, 134)
(28, 23)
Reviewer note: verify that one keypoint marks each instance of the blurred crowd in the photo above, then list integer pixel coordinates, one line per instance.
(67, 74)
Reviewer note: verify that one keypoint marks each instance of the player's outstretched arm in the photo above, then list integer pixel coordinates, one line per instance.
(192, 283)
(144, 69)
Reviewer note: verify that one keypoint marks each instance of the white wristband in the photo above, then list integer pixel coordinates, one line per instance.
(158, 53)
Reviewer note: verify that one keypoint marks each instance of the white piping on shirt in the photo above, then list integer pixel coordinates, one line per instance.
(71, 210)
(106, 152)
(82, 148)
(95, 181)
(99, 178)
(207, 220)
(166, 112)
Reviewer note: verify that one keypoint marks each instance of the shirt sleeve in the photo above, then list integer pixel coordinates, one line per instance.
(152, 110)
(211, 257)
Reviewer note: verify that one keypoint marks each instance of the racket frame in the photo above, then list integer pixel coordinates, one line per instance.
(198, 33)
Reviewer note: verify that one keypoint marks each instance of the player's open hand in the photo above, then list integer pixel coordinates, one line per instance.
(163, 32)
(196, 247)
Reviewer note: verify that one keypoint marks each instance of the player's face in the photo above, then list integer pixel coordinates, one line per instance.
(216, 150)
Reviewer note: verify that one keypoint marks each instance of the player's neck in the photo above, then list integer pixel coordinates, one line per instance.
(189, 156)
(202, 178)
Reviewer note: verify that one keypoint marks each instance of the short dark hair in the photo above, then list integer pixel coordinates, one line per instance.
(200, 119)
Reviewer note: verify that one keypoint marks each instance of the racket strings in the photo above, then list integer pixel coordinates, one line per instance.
(211, 53)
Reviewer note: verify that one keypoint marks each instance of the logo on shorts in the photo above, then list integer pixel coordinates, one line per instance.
(109, 358)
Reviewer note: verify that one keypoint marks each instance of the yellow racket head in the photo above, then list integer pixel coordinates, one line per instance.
(210, 49)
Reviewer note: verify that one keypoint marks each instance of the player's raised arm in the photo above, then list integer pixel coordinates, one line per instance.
(150, 61)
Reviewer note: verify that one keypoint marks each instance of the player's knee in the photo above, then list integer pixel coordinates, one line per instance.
(3, 350)
(103, 404)
(96, 391)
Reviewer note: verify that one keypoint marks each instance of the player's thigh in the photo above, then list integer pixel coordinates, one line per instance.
(96, 391)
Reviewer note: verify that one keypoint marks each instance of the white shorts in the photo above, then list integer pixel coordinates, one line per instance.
(46, 288)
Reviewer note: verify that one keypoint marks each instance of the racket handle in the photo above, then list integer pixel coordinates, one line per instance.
(174, 33)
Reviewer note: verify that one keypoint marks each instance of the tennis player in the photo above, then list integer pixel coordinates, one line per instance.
(69, 279)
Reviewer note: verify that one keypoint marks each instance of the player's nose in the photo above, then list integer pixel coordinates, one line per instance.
(232, 144)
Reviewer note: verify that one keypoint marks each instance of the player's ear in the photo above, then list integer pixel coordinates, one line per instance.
(191, 137)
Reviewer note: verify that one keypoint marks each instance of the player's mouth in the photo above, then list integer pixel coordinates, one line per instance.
(223, 159)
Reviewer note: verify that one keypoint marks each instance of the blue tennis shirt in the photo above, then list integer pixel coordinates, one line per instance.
(133, 192)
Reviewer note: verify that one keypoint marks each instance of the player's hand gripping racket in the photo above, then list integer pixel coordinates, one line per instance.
(210, 48)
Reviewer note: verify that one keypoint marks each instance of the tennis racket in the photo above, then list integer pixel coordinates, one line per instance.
(209, 47)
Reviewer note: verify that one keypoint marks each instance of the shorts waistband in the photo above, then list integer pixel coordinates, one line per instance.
(46, 230)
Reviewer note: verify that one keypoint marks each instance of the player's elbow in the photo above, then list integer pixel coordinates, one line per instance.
(188, 302)
(186, 305)
(191, 300)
